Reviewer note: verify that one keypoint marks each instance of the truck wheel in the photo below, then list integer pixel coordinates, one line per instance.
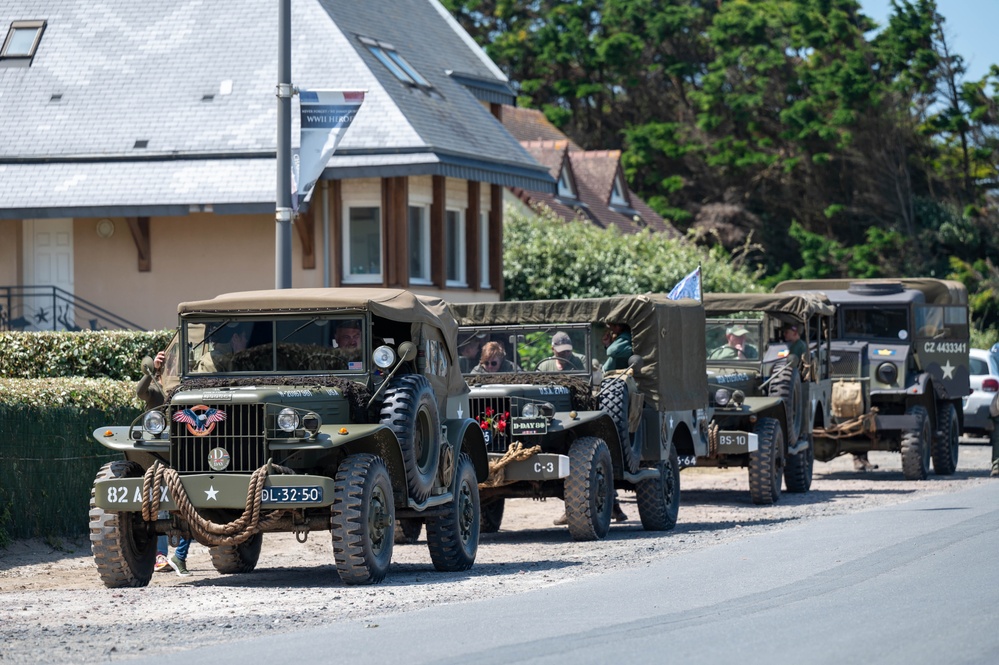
(766, 463)
(492, 515)
(407, 530)
(589, 489)
(916, 446)
(124, 545)
(946, 441)
(453, 537)
(787, 386)
(410, 410)
(615, 400)
(659, 499)
(798, 469)
(362, 519)
(235, 559)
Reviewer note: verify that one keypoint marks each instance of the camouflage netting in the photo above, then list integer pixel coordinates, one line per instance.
(580, 394)
(356, 394)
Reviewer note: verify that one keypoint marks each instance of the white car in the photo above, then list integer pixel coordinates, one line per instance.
(982, 406)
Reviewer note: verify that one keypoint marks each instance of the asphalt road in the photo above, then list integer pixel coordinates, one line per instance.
(911, 583)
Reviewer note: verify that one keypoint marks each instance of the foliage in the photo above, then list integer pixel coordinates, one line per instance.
(548, 258)
(115, 355)
(75, 392)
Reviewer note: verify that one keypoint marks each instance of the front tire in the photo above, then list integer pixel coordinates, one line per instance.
(916, 446)
(407, 530)
(123, 544)
(492, 515)
(766, 463)
(362, 519)
(946, 441)
(453, 537)
(659, 499)
(799, 468)
(237, 559)
(410, 410)
(589, 489)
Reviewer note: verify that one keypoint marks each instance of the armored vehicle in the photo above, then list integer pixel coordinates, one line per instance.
(900, 370)
(559, 425)
(297, 410)
(765, 397)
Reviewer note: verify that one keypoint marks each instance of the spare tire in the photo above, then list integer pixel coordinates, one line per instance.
(615, 400)
(410, 410)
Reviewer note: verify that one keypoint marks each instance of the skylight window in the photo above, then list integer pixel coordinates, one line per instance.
(566, 188)
(395, 63)
(22, 40)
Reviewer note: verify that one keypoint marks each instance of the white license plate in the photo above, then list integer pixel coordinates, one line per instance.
(291, 495)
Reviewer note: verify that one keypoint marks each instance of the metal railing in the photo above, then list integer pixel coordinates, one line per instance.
(53, 308)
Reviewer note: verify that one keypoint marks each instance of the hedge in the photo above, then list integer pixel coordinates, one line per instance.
(109, 354)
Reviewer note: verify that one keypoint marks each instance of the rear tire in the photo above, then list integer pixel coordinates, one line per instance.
(492, 515)
(453, 537)
(236, 559)
(615, 400)
(123, 544)
(916, 446)
(362, 519)
(766, 463)
(946, 440)
(407, 530)
(589, 489)
(659, 499)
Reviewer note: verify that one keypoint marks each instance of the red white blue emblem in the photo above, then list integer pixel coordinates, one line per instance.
(200, 419)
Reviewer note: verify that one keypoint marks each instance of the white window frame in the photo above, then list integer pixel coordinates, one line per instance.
(425, 259)
(346, 276)
(484, 282)
(455, 247)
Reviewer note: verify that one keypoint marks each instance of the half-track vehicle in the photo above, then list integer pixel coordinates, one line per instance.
(558, 425)
(766, 400)
(298, 410)
(900, 370)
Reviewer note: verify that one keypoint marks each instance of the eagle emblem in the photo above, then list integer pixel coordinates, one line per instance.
(200, 419)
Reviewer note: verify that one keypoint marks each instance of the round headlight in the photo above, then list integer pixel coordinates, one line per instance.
(287, 420)
(722, 397)
(384, 357)
(154, 422)
(530, 410)
(887, 373)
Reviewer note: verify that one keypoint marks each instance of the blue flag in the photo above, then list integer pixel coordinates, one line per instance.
(688, 287)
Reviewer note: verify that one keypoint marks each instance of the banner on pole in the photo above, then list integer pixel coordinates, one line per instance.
(325, 116)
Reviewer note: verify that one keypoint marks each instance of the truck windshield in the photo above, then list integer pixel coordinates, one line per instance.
(867, 323)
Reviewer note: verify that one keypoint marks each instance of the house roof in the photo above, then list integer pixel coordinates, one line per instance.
(593, 172)
(196, 83)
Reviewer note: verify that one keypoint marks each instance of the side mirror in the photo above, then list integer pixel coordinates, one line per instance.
(635, 362)
(407, 350)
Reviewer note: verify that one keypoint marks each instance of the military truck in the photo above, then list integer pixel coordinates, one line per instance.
(766, 400)
(298, 410)
(900, 369)
(560, 426)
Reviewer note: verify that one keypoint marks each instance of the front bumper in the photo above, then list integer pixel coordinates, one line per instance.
(543, 466)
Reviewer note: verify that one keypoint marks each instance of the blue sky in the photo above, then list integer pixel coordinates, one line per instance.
(971, 28)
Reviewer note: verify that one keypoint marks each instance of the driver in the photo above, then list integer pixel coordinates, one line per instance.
(563, 359)
(227, 342)
(736, 348)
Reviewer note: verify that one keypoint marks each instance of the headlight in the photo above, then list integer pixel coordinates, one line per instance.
(384, 357)
(887, 373)
(722, 397)
(154, 422)
(530, 410)
(287, 420)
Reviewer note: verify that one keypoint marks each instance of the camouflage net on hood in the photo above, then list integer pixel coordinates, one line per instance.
(580, 394)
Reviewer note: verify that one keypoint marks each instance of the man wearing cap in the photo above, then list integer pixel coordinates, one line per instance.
(736, 348)
(565, 359)
(795, 345)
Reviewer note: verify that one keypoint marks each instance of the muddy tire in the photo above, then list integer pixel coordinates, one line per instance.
(615, 400)
(362, 519)
(453, 537)
(410, 410)
(492, 515)
(946, 440)
(787, 386)
(407, 530)
(237, 559)
(916, 446)
(589, 489)
(766, 463)
(659, 499)
(124, 546)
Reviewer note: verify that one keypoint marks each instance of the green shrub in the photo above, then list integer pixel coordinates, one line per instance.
(111, 354)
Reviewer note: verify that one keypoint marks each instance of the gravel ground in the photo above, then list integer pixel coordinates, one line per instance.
(53, 607)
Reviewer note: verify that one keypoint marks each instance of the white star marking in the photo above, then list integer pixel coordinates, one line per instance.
(211, 492)
(948, 370)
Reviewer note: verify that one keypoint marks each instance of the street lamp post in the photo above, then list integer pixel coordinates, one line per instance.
(283, 211)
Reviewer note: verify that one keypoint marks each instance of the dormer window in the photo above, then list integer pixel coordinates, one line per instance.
(395, 63)
(618, 193)
(566, 186)
(21, 42)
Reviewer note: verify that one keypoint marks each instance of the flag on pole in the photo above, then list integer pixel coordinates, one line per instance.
(325, 115)
(688, 287)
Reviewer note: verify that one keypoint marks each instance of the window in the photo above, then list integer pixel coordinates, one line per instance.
(566, 187)
(454, 231)
(395, 63)
(419, 244)
(362, 245)
(484, 250)
(617, 195)
(22, 41)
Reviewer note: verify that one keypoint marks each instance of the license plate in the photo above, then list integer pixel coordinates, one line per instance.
(737, 442)
(292, 495)
(524, 426)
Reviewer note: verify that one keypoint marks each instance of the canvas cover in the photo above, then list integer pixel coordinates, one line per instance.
(936, 291)
(426, 314)
(800, 307)
(669, 336)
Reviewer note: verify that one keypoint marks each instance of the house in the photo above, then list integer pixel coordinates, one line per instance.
(138, 163)
(591, 183)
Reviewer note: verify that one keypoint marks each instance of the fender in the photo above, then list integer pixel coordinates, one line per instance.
(464, 434)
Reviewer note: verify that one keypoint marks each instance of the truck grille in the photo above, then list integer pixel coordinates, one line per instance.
(480, 406)
(846, 364)
(242, 434)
